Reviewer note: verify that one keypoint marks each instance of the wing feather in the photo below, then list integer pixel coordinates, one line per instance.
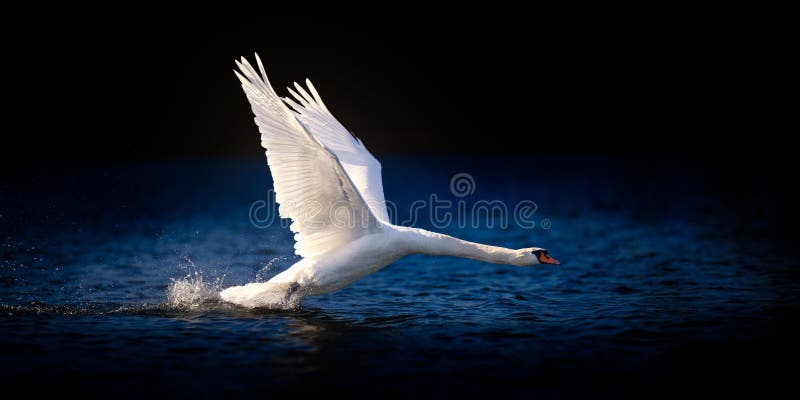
(359, 164)
(311, 185)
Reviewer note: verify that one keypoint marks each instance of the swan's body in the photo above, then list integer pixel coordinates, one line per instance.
(329, 184)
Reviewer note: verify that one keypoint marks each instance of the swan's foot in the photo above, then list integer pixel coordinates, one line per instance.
(266, 294)
(293, 288)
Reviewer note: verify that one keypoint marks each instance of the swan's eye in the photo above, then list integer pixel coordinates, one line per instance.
(539, 252)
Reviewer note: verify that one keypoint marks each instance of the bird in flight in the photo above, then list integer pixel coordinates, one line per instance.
(329, 185)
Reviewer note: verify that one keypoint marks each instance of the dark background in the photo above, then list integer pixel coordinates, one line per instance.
(645, 100)
(700, 90)
(138, 84)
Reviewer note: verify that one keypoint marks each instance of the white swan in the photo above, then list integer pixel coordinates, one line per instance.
(327, 182)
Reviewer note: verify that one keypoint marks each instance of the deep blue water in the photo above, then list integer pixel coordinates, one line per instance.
(669, 284)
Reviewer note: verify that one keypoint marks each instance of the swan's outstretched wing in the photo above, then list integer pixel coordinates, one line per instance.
(362, 168)
(311, 186)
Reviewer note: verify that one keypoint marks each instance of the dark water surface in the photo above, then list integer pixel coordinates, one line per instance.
(670, 284)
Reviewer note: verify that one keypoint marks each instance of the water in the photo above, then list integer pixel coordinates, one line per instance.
(109, 281)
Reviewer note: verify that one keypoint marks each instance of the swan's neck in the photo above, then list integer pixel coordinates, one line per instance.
(436, 244)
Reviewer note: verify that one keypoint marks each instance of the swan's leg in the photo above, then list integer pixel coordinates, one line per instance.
(294, 287)
(282, 289)
(262, 294)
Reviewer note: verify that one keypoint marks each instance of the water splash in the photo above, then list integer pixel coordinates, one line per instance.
(192, 291)
(268, 270)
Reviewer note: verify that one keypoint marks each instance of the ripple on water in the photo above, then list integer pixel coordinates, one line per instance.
(125, 294)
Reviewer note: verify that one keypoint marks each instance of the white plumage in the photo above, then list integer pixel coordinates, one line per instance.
(329, 184)
(310, 184)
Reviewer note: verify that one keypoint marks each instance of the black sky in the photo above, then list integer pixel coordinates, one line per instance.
(101, 87)
(138, 84)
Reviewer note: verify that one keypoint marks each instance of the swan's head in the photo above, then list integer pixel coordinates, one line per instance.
(533, 256)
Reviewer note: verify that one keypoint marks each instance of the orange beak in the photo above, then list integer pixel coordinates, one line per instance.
(545, 259)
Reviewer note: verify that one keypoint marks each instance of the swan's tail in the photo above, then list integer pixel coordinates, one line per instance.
(264, 295)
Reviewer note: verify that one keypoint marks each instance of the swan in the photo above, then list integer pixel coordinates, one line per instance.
(329, 185)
